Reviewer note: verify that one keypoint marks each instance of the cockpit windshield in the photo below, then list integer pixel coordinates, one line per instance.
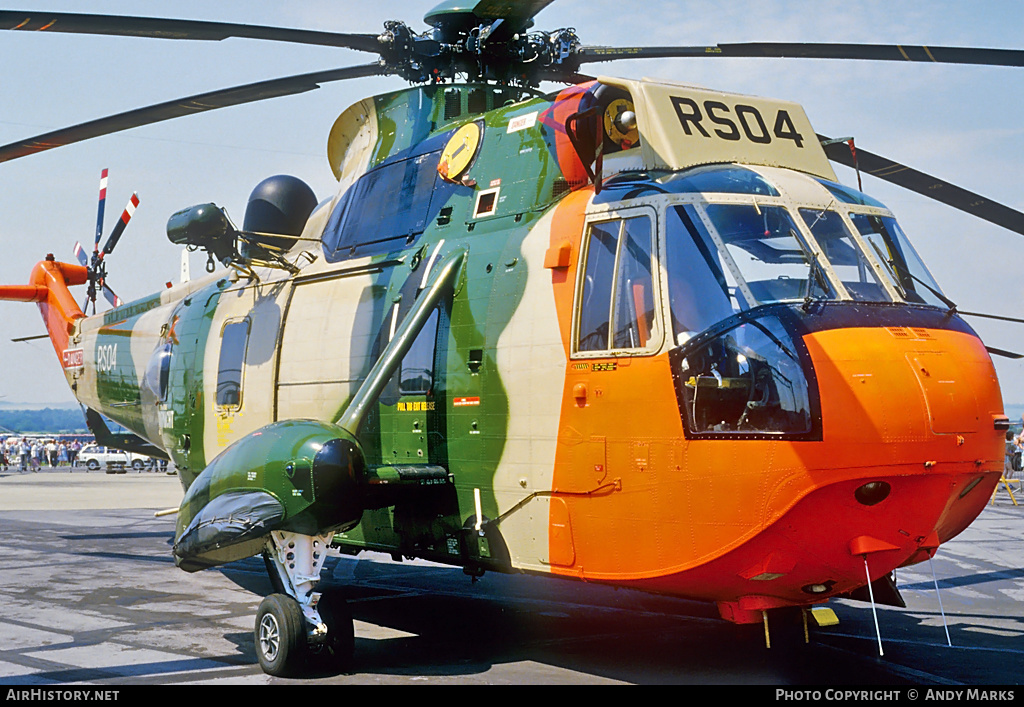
(772, 259)
(901, 262)
(846, 257)
(753, 244)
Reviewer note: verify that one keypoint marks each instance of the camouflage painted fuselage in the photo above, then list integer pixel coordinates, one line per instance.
(581, 457)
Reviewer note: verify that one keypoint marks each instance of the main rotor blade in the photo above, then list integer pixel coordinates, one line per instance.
(1004, 353)
(781, 50)
(926, 185)
(1000, 317)
(222, 98)
(160, 28)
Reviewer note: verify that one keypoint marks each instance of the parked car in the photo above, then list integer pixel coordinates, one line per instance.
(95, 457)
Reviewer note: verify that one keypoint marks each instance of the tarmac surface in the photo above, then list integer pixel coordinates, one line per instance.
(89, 595)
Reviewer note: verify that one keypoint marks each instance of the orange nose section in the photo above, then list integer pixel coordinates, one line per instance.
(915, 403)
(909, 455)
(899, 385)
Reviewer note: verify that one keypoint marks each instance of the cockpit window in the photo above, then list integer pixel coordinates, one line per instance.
(904, 266)
(770, 255)
(699, 286)
(734, 242)
(392, 204)
(617, 299)
(844, 255)
(720, 179)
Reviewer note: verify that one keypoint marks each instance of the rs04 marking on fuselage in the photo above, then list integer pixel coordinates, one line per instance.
(106, 357)
(751, 123)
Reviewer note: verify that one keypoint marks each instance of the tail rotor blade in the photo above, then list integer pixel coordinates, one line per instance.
(80, 253)
(111, 297)
(90, 295)
(99, 215)
(126, 216)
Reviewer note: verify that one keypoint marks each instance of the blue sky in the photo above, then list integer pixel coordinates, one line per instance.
(959, 123)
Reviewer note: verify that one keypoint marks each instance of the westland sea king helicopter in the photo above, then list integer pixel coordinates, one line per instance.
(630, 332)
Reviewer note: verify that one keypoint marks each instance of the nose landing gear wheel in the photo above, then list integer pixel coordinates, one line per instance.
(280, 636)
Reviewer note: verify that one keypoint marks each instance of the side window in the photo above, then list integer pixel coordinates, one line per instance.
(617, 296)
(229, 369)
(158, 371)
(595, 310)
(633, 314)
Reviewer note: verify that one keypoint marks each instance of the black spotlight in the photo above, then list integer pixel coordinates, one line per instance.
(872, 493)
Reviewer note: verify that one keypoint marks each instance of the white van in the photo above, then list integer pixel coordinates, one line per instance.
(95, 457)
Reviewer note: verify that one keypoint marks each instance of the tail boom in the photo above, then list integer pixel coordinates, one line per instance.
(48, 287)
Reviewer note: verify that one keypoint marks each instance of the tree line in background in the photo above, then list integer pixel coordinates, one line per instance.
(45, 421)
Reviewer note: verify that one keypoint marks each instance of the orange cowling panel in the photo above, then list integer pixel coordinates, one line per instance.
(49, 288)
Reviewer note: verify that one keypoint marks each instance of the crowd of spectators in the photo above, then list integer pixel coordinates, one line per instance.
(33, 453)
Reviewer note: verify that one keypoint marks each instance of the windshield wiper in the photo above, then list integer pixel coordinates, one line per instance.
(815, 275)
(894, 266)
(888, 262)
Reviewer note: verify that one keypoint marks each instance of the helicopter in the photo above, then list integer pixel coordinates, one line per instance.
(527, 325)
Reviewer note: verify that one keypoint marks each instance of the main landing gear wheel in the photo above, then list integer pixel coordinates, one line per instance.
(280, 636)
(299, 628)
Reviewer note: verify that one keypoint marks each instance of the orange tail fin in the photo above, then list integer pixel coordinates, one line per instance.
(48, 287)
